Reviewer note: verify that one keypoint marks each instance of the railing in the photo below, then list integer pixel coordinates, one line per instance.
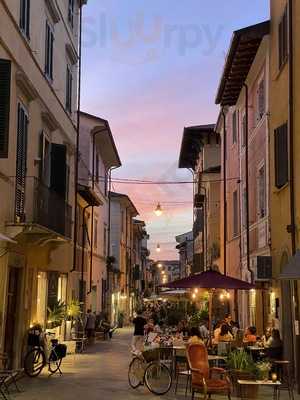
(32, 202)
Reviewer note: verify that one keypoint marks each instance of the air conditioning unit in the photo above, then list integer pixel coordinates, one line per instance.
(264, 268)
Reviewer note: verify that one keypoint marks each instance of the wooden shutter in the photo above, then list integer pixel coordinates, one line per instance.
(261, 99)
(49, 51)
(5, 80)
(27, 26)
(21, 164)
(58, 178)
(234, 127)
(281, 156)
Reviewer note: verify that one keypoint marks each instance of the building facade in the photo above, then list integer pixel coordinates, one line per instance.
(243, 124)
(185, 249)
(38, 102)
(200, 152)
(97, 156)
(121, 292)
(284, 170)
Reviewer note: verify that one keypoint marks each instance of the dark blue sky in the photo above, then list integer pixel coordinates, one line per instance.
(151, 68)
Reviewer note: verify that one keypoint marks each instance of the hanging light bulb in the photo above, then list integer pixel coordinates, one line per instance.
(228, 295)
(194, 295)
(221, 296)
(158, 211)
(196, 290)
(158, 248)
(159, 265)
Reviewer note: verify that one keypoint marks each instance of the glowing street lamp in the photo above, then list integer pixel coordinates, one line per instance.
(158, 211)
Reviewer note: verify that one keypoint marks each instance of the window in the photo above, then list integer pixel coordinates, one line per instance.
(262, 192)
(281, 156)
(45, 160)
(69, 86)
(96, 233)
(71, 13)
(49, 52)
(261, 101)
(283, 39)
(21, 163)
(97, 168)
(244, 130)
(5, 79)
(234, 127)
(25, 17)
(235, 214)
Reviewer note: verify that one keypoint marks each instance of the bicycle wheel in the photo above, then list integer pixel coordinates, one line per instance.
(158, 378)
(54, 362)
(136, 372)
(34, 362)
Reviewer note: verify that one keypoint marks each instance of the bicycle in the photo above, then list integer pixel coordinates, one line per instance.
(148, 369)
(37, 358)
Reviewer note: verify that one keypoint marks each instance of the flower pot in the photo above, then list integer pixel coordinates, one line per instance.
(243, 391)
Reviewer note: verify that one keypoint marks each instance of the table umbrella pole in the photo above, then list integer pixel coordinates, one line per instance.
(210, 305)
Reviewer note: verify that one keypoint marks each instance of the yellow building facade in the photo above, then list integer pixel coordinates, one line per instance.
(284, 120)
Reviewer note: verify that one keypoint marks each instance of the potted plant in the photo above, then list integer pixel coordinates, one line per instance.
(242, 366)
(264, 368)
(56, 315)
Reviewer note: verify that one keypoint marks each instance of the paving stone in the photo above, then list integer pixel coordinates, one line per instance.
(99, 374)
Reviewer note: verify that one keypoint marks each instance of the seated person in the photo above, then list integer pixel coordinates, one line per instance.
(204, 329)
(274, 345)
(250, 335)
(183, 328)
(225, 335)
(267, 336)
(149, 327)
(195, 336)
(217, 332)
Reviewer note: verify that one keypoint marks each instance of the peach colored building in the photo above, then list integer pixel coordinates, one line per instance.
(243, 124)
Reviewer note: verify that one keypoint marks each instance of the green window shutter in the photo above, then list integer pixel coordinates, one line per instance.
(21, 164)
(5, 81)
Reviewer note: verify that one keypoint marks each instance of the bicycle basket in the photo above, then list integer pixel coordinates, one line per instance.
(151, 355)
(60, 351)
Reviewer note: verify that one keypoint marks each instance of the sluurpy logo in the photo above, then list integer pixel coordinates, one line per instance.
(142, 39)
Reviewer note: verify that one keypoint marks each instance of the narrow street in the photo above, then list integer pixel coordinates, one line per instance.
(100, 373)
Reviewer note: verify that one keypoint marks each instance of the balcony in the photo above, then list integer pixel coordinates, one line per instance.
(33, 203)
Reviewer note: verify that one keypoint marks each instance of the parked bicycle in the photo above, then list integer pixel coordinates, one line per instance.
(148, 369)
(44, 352)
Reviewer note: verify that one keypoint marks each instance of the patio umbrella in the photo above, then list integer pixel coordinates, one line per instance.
(210, 280)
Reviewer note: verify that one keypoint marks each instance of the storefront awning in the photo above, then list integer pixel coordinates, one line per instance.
(4, 238)
(292, 269)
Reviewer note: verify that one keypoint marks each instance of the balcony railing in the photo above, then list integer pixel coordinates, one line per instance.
(32, 202)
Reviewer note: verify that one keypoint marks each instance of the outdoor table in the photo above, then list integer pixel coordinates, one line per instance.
(275, 385)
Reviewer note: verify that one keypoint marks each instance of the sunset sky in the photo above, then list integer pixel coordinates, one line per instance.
(151, 68)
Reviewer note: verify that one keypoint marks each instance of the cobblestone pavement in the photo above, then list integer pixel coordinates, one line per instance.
(100, 373)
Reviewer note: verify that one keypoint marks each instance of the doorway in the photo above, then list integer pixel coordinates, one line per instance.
(11, 315)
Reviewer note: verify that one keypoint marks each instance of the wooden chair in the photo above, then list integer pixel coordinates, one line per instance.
(203, 379)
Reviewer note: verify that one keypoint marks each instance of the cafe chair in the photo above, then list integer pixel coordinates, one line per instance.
(284, 374)
(206, 380)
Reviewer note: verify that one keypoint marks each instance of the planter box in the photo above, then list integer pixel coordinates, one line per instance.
(245, 391)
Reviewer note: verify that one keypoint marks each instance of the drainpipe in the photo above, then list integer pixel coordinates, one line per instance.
(77, 139)
(81, 294)
(224, 190)
(193, 179)
(92, 214)
(247, 179)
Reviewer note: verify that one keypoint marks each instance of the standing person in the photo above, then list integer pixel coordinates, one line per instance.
(139, 323)
(90, 325)
(204, 332)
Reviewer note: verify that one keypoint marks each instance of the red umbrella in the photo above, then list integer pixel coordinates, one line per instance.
(210, 280)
